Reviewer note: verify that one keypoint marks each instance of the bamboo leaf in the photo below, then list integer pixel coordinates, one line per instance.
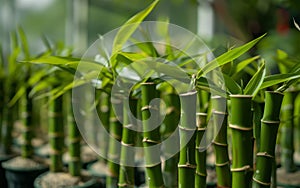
(207, 85)
(129, 27)
(278, 78)
(24, 43)
(256, 81)
(228, 57)
(241, 65)
(231, 85)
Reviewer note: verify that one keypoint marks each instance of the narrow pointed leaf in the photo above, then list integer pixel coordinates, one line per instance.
(228, 56)
(256, 81)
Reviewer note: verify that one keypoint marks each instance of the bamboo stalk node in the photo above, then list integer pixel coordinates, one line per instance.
(262, 183)
(104, 109)
(186, 129)
(237, 127)
(187, 165)
(126, 144)
(270, 122)
(222, 164)
(125, 185)
(201, 129)
(56, 135)
(149, 107)
(264, 154)
(200, 148)
(244, 168)
(219, 144)
(219, 112)
(74, 140)
(75, 159)
(115, 136)
(54, 114)
(115, 119)
(55, 152)
(201, 174)
(128, 126)
(150, 141)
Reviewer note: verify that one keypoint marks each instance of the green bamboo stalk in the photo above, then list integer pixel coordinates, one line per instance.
(103, 110)
(114, 150)
(187, 162)
(171, 120)
(201, 174)
(126, 175)
(74, 149)
(56, 135)
(287, 131)
(269, 128)
(257, 116)
(242, 142)
(154, 176)
(27, 149)
(2, 104)
(219, 111)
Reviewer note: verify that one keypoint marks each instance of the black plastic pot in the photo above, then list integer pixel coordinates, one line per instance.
(92, 183)
(22, 177)
(3, 182)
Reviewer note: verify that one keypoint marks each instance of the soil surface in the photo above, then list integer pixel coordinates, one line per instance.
(24, 163)
(99, 168)
(62, 179)
(87, 155)
(291, 179)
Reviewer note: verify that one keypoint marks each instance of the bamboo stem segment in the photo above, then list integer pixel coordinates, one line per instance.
(287, 135)
(201, 174)
(126, 174)
(269, 128)
(56, 135)
(187, 132)
(151, 135)
(115, 130)
(219, 111)
(242, 140)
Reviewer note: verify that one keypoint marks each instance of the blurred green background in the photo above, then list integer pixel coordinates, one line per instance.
(77, 23)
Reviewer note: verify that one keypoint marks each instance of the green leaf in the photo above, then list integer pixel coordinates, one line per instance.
(278, 78)
(126, 30)
(205, 84)
(24, 43)
(231, 85)
(228, 57)
(256, 81)
(129, 27)
(241, 65)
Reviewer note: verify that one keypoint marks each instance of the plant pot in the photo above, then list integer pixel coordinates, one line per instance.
(22, 177)
(3, 158)
(88, 183)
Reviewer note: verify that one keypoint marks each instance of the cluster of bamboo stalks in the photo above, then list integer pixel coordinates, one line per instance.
(248, 107)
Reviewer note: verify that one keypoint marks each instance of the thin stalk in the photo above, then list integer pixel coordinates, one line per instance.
(201, 174)
(170, 123)
(56, 135)
(187, 128)
(2, 104)
(269, 128)
(74, 149)
(150, 117)
(126, 178)
(220, 117)
(114, 150)
(241, 125)
(103, 110)
(257, 116)
(287, 131)
(27, 149)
